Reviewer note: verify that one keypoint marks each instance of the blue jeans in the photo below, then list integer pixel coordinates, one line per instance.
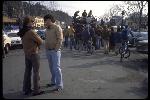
(72, 43)
(54, 65)
(31, 62)
(66, 42)
(98, 42)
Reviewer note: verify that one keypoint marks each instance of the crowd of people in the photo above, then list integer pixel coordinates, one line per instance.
(83, 29)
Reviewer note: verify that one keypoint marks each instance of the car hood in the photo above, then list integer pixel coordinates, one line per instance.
(15, 38)
(143, 41)
(142, 38)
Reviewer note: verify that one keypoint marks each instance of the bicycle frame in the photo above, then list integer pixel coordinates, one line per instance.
(124, 50)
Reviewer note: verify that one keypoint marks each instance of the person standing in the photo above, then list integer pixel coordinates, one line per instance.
(112, 39)
(90, 14)
(31, 42)
(125, 33)
(84, 14)
(118, 40)
(76, 16)
(98, 36)
(53, 42)
(105, 36)
(66, 37)
(71, 36)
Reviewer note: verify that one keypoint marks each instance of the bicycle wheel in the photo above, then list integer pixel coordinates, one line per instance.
(121, 58)
(92, 49)
(88, 50)
(121, 50)
(127, 53)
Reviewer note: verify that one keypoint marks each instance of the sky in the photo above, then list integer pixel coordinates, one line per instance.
(98, 7)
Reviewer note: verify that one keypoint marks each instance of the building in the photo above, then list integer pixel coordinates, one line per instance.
(7, 20)
(39, 22)
(116, 21)
(134, 24)
(10, 23)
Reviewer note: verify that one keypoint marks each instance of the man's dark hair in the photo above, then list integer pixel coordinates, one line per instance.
(49, 16)
(25, 28)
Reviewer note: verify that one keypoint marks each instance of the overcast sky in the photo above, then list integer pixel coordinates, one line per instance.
(98, 7)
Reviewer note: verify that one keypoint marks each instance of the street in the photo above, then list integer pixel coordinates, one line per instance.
(97, 76)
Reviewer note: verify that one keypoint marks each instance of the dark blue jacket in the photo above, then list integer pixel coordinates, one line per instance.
(125, 34)
(118, 37)
(85, 34)
(112, 37)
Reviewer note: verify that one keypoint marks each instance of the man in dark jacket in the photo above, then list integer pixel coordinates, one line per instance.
(105, 37)
(31, 42)
(118, 39)
(125, 33)
(84, 14)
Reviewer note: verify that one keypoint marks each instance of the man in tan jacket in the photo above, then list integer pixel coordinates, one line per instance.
(53, 42)
(31, 42)
(71, 32)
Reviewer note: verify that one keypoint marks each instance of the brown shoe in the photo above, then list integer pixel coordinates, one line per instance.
(27, 92)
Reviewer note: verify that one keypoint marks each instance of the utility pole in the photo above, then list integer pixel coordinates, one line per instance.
(123, 12)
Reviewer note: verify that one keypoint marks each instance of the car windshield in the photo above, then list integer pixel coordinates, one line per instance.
(13, 35)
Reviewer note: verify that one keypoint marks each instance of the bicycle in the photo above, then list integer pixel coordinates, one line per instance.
(124, 51)
(90, 47)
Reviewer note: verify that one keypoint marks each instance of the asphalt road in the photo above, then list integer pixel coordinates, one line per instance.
(97, 76)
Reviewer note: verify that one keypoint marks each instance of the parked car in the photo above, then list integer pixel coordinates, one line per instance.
(142, 42)
(6, 43)
(15, 39)
(133, 38)
(41, 33)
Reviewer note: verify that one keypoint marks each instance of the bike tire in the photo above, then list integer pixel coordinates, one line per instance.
(92, 49)
(120, 50)
(121, 57)
(127, 54)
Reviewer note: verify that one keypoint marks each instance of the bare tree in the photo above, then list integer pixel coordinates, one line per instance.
(136, 6)
(51, 5)
(115, 10)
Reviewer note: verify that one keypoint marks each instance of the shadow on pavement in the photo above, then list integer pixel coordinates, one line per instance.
(15, 95)
(137, 64)
(84, 54)
(142, 90)
(89, 65)
(19, 94)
